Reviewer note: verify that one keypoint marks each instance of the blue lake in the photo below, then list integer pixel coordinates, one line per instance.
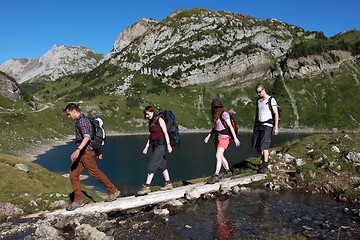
(126, 166)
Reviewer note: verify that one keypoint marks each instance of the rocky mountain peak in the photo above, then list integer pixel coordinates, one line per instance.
(129, 34)
(57, 62)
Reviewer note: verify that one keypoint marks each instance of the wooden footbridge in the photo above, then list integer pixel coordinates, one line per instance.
(124, 203)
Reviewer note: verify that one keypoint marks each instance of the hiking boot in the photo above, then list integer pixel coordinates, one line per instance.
(75, 205)
(264, 167)
(113, 196)
(144, 190)
(214, 179)
(167, 186)
(227, 174)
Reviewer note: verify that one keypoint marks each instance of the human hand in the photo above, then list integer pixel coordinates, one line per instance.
(74, 155)
(276, 131)
(169, 148)
(145, 150)
(206, 140)
(237, 142)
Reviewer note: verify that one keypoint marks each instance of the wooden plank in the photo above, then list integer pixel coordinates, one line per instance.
(130, 202)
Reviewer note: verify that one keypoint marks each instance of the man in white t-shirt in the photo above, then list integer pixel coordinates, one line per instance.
(265, 125)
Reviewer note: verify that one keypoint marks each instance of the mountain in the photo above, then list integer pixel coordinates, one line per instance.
(192, 56)
(9, 87)
(57, 62)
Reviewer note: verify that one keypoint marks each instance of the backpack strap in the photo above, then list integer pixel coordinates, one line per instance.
(225, 131)
(270, 121)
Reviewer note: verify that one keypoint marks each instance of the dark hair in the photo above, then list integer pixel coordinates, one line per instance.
(216, 112)
(260, 85)
(72, 106)
(153, 120)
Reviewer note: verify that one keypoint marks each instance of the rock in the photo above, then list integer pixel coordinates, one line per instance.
(47, 232)
(335, 149)
(236, 189)
(33, 203)
(224, 188)
(299, 162)
(60, 203)
(288, 158)
(175, 203)
(163, 212)
(312, 174)
(67, 221)
(9, 209)
(22, 167)
(353, 157)
(192, 194)
(87, 232)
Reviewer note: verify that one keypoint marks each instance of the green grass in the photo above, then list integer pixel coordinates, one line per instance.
(20, 188)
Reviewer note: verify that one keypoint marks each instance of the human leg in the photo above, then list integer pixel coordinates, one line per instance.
(75, 171)
(157, 161)
(219, 159)
(90, 164)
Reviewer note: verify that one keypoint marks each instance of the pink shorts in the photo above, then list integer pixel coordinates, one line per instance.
(223, 143)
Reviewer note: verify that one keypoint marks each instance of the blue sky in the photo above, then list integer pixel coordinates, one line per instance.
(29, 28)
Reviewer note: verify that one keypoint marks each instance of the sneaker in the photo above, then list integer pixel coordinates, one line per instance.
(75, 205)
(167, 186)
(144, 190)
(264, 167)
(113, 196)
(227, 174)
(214, 179)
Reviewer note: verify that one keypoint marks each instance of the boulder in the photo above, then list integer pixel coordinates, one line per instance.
(22, 167)
(192, 194)
(87, 232)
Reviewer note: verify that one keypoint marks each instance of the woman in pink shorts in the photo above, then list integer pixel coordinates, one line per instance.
(223, 132)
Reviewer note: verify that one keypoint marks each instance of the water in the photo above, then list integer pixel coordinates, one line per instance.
(255, 214)
(126, 166)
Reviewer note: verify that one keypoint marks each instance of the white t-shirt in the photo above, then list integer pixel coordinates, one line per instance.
(264, 112)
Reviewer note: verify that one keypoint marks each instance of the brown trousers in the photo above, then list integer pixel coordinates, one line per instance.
(87, 160)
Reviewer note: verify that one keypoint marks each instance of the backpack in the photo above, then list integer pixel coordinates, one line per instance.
(227, 131)
(271, 121)
(272, 111)
(98, 138)
(171, 127)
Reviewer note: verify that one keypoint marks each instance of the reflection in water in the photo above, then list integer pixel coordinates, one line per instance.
(262, 209)
(223, 226)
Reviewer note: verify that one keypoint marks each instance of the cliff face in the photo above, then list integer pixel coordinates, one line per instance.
(200, 46)
(57, 62)
(9, 87)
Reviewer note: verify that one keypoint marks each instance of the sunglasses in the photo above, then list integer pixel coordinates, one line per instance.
(259, 91)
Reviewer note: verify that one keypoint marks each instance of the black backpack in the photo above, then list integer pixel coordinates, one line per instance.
(98, 138)
(272, 111)
(227, 131)
(171, 127)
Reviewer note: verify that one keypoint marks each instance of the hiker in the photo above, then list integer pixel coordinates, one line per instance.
(222, 139)
(159, 141)
(265, 125)
(84, 157)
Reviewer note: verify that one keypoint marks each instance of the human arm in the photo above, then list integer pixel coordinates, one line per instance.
(146, 147)
(166, 135)
(76, 153)
(206, 140)
(276, 120)
(236, 140)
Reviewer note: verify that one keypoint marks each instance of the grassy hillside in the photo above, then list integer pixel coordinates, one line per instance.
(38, 185)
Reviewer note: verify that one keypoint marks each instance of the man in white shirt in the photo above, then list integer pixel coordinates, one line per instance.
(266, 123)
